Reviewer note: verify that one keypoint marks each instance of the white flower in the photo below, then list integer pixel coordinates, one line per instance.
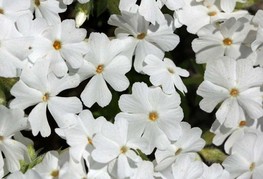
(39, 87)
(149, 9)
(62, 41)
(30, 174)
(51, 166)
(215, 171)
(47, 9)
(80, 136)
(257, 46)
(68, 2)
(10, 41)
(233, 134)
(145, 170)
(196, 15)
(11, 121)
(13, 10)
(229, 5)
(246, 159)
(113, 146)
(188, 143)
(235, 84)
(229, 39)
(104, 63)
(148, 38)
(165, 73)
(187, 167)
(152, 114)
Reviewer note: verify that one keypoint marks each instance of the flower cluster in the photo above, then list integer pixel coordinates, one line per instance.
(65, 72)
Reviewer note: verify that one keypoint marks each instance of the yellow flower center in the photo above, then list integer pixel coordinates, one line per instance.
(1, 11)
(153, 116)
(141, 36)
(37, 3)
(252, 166)
(242, 123)
(123, 149)
(45, 97)
(57, 45)
(54, 173)
(90, 141)
(178, 151)
(234, 92)
(212, 13)
(1, 138)
(100, 69)
(227, 41)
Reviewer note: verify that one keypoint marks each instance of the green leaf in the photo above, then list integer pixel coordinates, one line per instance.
(100, 6)
(113, 6)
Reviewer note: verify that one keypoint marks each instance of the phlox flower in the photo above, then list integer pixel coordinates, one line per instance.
(257, 45)
(39, 87)
(59, 43)
(147, 38)
(149, 9)
(165, 73)
(53, 166)
(234, 84)
(231, 38)
(197, 14)
(13, 10)
(188, 143)
(116, 148)
(246, 159)
(11, 59)
(11, 121)
(215, 171)
(152, 115)
(231, 135)
(68, 2)
(30, 174)
(229, 5)
(187, 167)
(80, 136)
(145, 169)
(104, 62)
(47, 9)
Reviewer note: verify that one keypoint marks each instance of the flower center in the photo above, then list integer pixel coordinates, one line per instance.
(54, 173)
(57, 45)
(178, 151)
(45, 97)
(1, 11)
(234, 92)
(1, 138)
(252, 166)
(227, 41)
(100, 69)
(212, 13)
(153, 116)
(141, 36)
(123, 149)
(242, 123)
(37, 3)
(90, 141)
(170, 70)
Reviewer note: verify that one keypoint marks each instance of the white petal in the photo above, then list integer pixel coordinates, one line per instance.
(38, 120)
(96, 91)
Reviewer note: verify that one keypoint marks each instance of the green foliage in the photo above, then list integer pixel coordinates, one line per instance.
(5, 86)
(34, 159)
